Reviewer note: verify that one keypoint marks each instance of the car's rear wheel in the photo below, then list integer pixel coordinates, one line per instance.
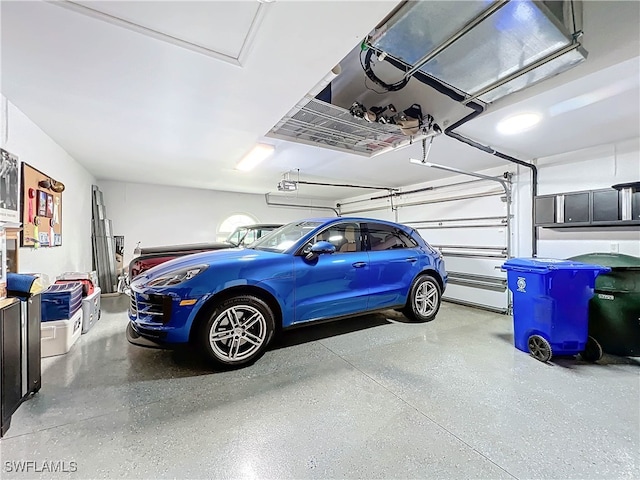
(238, 331)
(424, 299)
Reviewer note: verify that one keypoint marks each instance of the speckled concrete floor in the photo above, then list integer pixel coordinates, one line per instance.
(362, 398)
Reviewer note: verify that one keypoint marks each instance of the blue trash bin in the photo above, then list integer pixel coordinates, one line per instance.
(551, 305)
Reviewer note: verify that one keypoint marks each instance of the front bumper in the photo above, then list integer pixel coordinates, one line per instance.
(136, 339)
(158, 315)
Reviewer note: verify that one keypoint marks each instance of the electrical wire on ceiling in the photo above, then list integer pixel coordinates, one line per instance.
(366, 77)
(373, 89)
(368, 70)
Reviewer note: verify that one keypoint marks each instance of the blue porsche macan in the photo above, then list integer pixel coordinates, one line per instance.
(231, 302)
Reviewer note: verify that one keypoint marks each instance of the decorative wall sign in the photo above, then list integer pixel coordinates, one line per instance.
(43, 237)
(41, 209)
(9, 187)
(42, 203)
(49, 206)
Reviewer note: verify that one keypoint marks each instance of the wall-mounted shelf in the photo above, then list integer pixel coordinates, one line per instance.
(629, 223)
(589, 208)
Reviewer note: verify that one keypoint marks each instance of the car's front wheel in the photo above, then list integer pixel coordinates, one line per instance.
(238, 331)
(424, 299)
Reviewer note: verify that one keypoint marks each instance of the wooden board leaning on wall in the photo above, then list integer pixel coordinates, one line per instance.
(41, 209)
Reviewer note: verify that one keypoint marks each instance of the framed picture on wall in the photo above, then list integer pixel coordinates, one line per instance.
(42, 203)
(9, 187)
(49, 205)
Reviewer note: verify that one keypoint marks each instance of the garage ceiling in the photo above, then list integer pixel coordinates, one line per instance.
(175, 93)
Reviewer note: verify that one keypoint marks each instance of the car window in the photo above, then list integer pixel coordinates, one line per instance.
(284, 237)
(236, 236)
(387, 237)
(346, 237)
(250, 237)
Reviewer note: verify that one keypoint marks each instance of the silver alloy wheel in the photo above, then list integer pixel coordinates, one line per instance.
(425, 300)
(237, 333)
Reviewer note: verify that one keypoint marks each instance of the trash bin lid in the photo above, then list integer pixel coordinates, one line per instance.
(545, 265)
(614, 260)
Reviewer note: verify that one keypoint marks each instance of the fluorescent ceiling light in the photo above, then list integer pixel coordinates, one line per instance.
(518, 123)
(260, 152)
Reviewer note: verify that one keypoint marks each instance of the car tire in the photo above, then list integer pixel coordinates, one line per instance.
(424, 299)
(237, 332)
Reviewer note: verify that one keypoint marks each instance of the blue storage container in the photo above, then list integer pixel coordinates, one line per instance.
(61, 301)
(551, 304)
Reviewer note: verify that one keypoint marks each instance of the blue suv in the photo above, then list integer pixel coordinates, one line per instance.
(230, 302)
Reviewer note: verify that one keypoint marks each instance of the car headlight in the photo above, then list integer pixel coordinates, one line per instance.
(177, 276)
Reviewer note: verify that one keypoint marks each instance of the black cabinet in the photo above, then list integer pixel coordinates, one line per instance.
(635, 206)
(545, 210)
(32, 313)
(10, 361)
(576, 208)
(606, 206)
(601, 208)
(19, 354)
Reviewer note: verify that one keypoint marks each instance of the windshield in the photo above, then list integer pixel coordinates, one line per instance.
(281, 239)
(236, 237)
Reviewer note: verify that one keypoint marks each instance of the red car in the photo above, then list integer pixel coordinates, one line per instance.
(151, 256)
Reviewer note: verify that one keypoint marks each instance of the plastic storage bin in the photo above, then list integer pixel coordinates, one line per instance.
(91, 276)
(58, 336)
(550, 305)
(90, 310)
(614, 311)
(61, 302)
(87, 285)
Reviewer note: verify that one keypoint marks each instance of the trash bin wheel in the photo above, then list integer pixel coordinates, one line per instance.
(592, 350)
(539, 348)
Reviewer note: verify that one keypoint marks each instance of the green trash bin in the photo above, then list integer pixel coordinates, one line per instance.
(614, 310)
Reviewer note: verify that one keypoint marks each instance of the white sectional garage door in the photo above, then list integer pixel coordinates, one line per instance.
(467, 222)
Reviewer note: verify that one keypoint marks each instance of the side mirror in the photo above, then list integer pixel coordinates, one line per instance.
(320, 248)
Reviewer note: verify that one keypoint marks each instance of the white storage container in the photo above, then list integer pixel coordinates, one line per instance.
(58, 336)
(93, 276)
(90, 310)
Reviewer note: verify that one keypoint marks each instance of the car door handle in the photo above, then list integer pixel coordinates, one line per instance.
(359, 264)
(412, 259)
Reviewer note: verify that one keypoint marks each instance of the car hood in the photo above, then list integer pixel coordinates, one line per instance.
(218, 257)
(187, 247)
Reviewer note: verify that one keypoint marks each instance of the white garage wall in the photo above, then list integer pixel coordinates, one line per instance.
(159, 215)
(589, 169)
(26, 140)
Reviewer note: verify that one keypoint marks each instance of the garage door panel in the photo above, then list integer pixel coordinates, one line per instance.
(477, 236)
(476, 266)
(478, 207)
(385, 214)
(380, 215)
(473, 296)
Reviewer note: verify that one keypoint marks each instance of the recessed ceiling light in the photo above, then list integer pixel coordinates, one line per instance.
(260, 152)
(518, 123)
